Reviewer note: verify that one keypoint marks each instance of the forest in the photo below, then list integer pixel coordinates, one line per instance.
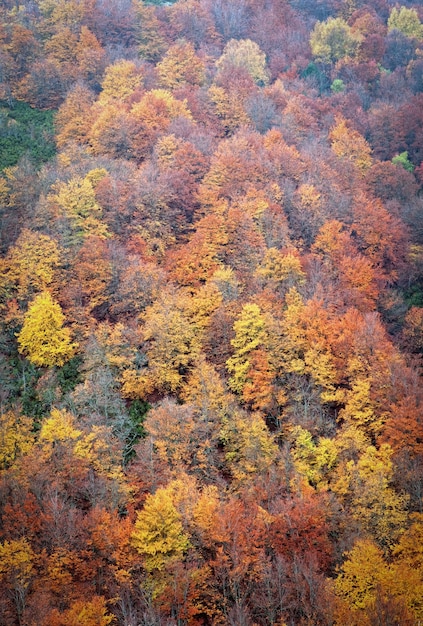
(211, 313)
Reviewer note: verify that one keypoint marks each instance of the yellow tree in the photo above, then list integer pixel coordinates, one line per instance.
(406, 21)
(61, 50)
(361, 574)
(314, 460)
(172, 342)
(16, 572)
(63, 13)
(369, 586)
(59, 426)
(109, 134)
(207, 396)
(31, 263)
(206, 392)
(289, 342)
(121, 80)
(347, 143)
(158, 533)
(282, 271)
(229, 108)
(249, 334)
(333, 40)
(359, 410)
(407, 580)
(249, 447)
(78, 202)
(16, 437)
(85, 612)
(179, 66)
(366, 488)
(44, 338)
(245, 54)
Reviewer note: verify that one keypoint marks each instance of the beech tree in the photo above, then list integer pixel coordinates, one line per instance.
(44, 338)
(16, 572)
(75, 116)
(93, 612)
(249, 334)
(78, 204)
(121, 80)
(32, 263)
(406, 21)
(349, 144)
(332, 40)
(158, 532)
(180, 65)
(246, 54)
(361, 573)
(16, 437)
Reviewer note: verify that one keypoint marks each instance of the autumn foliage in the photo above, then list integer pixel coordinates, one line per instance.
(211, 313)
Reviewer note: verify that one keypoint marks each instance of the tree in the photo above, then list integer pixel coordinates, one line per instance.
(197, 261)
(347, 143)
(245, 54)
(300, 528)
(367, 486)
(151, 116)
(75, 116)
(231, 20)
(60, 426)
(249, 334)
(191, 20)
(92, 272)
(333, 40)
(406, 21)
(380, 235)
(173, 431)
(121, 80)
(16, 571)
(360, 575)
(151, 43)
(249, 447)
(384, 131)
(32, 263)
(84, 612)
(43, 337)
(158, 532)
(179, 66)
(313, 460)
(16, 437)
(172, 345)
(78, 204)
(282, 271)
(389, 182)
(68, 13)
(258, 390)
(229, 108)
(90, 57)
(402, 160)
(61, 49)
(110, 134)
(407, 566)
(413, 328)
(366, 581)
